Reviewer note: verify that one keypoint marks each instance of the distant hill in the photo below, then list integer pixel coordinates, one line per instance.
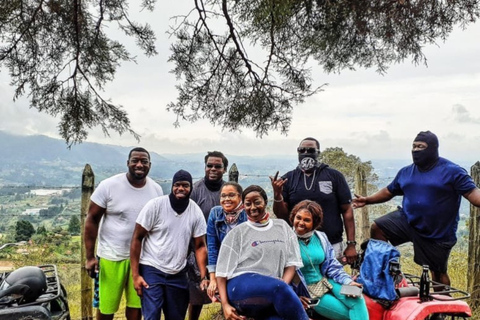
(43, 161)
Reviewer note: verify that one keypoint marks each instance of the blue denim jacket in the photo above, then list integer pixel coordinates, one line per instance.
(331, 268)
(216, 232)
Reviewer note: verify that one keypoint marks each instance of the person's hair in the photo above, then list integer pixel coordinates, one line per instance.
(138, 149)
(311, 206)
(255, 188)
(217, 154)
(312, 139)
(233, 184)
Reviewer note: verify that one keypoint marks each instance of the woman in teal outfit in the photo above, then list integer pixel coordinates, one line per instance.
(319, 261)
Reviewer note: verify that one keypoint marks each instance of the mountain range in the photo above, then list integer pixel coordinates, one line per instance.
(47, 162)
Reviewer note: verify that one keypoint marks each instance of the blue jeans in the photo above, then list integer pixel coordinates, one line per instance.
(167, 292)
(264, 298)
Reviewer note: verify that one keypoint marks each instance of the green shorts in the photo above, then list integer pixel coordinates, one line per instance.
(114, 278)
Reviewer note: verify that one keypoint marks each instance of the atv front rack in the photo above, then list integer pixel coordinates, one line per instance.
(438, 291)
(53, 291)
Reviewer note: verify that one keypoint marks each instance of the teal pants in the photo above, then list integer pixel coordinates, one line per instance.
(336, 306)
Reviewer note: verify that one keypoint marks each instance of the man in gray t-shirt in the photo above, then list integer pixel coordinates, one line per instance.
(206, 193)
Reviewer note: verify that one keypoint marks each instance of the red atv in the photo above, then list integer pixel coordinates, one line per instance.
(417, 298)
(445, 304)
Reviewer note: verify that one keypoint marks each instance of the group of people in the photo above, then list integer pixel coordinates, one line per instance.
(214, 241)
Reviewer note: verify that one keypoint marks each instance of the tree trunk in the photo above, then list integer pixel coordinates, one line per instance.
(474, 248)
(233, 173)
(88, 183)
(362, 221)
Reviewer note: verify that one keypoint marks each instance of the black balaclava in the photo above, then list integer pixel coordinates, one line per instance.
(308, 162)
(426, 159)
(180, 205)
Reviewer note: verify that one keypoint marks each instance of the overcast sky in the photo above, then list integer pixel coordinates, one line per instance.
(367, 114)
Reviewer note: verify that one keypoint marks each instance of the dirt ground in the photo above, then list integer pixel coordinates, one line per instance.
(6, 266)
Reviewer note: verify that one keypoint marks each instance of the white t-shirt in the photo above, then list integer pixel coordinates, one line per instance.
(166, 245)
(123, 203)
(263, 250)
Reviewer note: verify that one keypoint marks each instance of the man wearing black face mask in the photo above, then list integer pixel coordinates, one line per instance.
(316, 181)
(159, 250)
(432, 188)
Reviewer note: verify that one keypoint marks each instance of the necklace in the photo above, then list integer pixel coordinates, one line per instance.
(305, 180)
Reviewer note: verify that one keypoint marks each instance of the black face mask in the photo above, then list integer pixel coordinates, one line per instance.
(308, 162)
(180, 205)
(425, 159)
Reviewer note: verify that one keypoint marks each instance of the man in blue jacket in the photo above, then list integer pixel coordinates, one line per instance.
(432, 188)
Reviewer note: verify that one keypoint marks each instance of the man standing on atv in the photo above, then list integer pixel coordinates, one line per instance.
(114, 208)
(432, 188)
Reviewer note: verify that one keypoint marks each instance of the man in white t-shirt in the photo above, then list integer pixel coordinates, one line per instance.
(159, 250)
(114, 207)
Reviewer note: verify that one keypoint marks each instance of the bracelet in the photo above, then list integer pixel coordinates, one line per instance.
(275, 200)
(205, 278)
(349, 242)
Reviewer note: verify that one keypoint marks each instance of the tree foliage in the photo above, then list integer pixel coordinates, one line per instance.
(58, 53)
(348, 164)
(41, 230)
(23, 230)
(223, 79)
(74, 225)
(238, 63)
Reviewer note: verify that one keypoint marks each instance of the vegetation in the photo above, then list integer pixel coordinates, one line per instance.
(214, 45)
(23, 230)
(74, 225)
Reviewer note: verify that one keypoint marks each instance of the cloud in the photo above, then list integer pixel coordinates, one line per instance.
(462, 115)
(366, 114)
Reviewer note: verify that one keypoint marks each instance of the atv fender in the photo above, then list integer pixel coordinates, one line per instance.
(410, 308)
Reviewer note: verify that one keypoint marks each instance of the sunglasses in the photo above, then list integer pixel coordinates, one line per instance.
(216, 166)
(307, 150)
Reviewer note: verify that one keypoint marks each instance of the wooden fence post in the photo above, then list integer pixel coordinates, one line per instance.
(474, 248)
(88, 183)
(233, 173)
(362, 221)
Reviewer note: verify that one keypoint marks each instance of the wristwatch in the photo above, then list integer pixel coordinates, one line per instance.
(205, 278)
(349, 242)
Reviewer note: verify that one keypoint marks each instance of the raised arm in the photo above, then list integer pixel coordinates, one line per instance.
(473, 197)
(380, 196)
(280, 207)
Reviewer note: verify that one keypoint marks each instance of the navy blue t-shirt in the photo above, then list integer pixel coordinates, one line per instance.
(431, 200)
(329, 189)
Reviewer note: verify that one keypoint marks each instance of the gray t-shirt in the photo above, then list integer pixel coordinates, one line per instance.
(205, 198)
(263, 250)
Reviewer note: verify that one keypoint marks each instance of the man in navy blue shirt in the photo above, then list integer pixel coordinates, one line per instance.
(316, 181)
(432, 188)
